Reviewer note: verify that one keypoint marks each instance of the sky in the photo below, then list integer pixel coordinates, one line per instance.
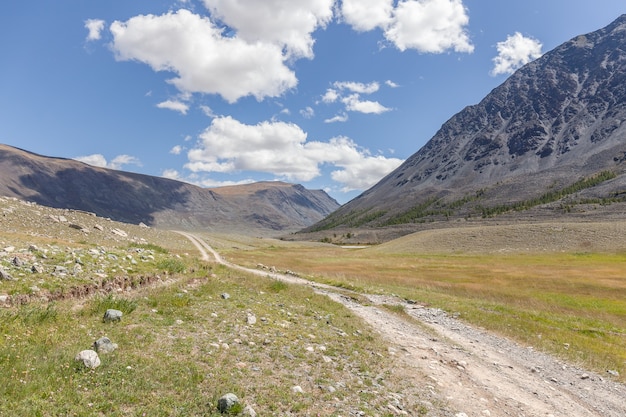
(329, 94)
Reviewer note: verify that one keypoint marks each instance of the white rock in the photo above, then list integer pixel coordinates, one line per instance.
(89, 358)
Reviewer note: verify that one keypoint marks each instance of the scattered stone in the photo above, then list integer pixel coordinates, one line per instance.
(104, 345)
(17, 261)
(225, 296)
(226, 402)
(119, 232)
(4, 298)
(98, 227)
(251, 319)
(249, 411)
(4, 275)
(297, 389)
(37, 269)
(78, 227)
(89, 358)
(112, 315)
(612, 372)
(584, 376)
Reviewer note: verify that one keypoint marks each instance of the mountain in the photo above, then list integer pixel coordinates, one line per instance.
(552, 136)
(263, 208)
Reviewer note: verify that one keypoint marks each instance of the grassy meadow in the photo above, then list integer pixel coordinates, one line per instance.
(572, 304)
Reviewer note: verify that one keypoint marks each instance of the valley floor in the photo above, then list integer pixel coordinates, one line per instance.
(467, 371)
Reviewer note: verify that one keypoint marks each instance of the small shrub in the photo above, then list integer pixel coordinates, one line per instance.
(172, 266)
(102, 304)
(277, 286)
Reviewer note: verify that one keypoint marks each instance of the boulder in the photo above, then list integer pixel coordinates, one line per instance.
(104, 345)
(227, 402)
(89, 358)
(112, 315)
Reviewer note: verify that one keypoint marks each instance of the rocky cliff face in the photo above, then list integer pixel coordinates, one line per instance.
(262, 208)
(556, 121)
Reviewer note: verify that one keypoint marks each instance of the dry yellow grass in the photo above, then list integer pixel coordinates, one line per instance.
(553, 285)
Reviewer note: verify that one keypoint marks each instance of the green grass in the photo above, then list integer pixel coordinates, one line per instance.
(182, 347)
(550, 301)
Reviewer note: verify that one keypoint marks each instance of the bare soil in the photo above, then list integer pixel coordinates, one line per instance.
(465, 371)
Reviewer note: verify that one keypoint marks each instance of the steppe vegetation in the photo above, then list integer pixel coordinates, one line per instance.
(191, 330)
(554, 287)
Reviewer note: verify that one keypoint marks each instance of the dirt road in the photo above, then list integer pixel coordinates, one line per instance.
(468, 370)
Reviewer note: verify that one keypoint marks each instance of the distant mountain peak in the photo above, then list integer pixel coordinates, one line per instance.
(555, 121)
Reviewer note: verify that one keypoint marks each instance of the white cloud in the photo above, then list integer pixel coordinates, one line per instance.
(516, 51)
(431, 26)
(391, 84)
(94, 26)
(282, 149)
(178, 106)
(357, 87)
(207, 111)
(97, 160)
(176, 150)
(307, 112)
(354, 103)
(118, 162)
(286, 23)
(204, 60)
(365, 15)
(171, 174)
(330, 96)
(364, 172)
(340, 118)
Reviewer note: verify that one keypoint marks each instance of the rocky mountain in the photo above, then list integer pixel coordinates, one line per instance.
(263, 208)
(552, 135)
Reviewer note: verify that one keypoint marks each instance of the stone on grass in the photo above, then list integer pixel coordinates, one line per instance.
(89, 358)
(225, 296)
(249, 411)
(104, 345)
(251, 319)
(5, 275)
(112, 315)
(227, 402)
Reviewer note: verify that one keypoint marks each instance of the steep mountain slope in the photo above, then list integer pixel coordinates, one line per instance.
(267, 207)
(554, 131)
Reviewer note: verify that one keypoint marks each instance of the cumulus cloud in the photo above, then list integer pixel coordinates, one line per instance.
(283, 150)
(95, 27)
(349, 93)
(354, 103)
(366, 15)
(307, 112)
(355, 87)
(286, 23)
(330, 96)
(175, 105)
(431, 26)
(391, 84)
(516, 51)
(118, 162)
(176, 150)
(340, 118)
(205, 60)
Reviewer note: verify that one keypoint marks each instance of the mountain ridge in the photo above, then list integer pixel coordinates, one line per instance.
(261, 208)
(555, 122)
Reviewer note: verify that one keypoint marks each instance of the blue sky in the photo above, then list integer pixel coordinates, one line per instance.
(329, 94)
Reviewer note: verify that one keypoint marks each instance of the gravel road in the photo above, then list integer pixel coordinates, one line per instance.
(469, 372)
